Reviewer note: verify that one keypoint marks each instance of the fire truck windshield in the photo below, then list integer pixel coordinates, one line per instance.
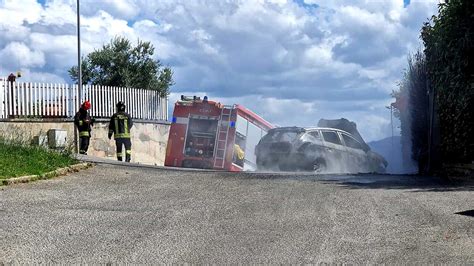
(201, 137)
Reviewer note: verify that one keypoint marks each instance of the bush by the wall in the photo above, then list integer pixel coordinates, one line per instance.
(449, 50)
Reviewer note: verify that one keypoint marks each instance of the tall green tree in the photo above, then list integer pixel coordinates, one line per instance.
(121, 64)
(449, 50)
(412, 108)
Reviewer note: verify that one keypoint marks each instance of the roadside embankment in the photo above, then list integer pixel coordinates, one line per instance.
(21, 162)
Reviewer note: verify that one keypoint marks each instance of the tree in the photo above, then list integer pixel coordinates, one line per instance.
(411, 107)
(449, 50)
(120, 64)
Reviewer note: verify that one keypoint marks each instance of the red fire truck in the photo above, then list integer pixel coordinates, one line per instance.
(208, 134)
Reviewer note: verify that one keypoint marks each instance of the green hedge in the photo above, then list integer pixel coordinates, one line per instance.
(449, 51)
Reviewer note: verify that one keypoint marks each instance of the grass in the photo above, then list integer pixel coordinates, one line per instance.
(19, 159)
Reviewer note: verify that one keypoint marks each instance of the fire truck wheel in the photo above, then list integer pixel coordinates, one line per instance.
(187, 164)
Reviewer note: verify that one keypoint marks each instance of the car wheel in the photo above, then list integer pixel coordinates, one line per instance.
(286, 167)
(318, 165)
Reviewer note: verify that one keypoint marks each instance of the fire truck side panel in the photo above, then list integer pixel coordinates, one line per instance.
(230, 145)
(175, 146)
(249, 130)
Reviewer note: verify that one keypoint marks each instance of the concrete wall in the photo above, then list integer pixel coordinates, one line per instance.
(148, 138)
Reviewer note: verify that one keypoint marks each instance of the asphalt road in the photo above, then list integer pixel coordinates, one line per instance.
(119, 214)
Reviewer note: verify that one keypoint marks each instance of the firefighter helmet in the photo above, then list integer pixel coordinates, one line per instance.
(86, 105)
(121, 106)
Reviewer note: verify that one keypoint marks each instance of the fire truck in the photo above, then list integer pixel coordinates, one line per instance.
(209, 135)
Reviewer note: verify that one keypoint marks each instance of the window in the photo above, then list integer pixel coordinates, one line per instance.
(350, 142)
(253, 137)
(315, 134)
(332, 137)
(241, 125)
(276, 136)
(311, 137)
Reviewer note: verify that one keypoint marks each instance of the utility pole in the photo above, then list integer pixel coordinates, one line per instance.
(79, 69)
(391, 126)
(79, 66)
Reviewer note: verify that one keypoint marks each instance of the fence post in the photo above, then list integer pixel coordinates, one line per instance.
(166, 107)
(148, 104)
(35, 99)
(110, 102)
(2, 98)
(159, 107)
(129, 99)
(14, 100)
(30, 98)
(55, 99)
(100, 103)
(48, 98)
(133, 103)
(61, 100)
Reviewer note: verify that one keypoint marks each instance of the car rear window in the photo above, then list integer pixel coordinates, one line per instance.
(315, 134)
(352, 143)
(332, 137)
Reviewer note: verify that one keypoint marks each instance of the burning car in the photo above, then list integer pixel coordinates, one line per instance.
(321, 149)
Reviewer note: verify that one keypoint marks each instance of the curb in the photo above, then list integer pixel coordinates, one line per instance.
(55, 173)
(459, 173)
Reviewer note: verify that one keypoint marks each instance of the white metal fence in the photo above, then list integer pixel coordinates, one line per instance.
(45, 100)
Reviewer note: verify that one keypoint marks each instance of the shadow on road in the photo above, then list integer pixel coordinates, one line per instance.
(373, 181)
(466, 213)
(349, 181)
(423, 185)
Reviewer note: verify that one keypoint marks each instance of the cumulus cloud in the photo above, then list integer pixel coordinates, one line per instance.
(291, 61)
(18, 55)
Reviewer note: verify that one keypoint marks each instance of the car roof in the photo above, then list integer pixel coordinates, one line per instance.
(326, 128)
(307, 129)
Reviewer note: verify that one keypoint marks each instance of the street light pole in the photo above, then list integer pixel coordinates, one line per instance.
(79, 70)
(79, 65)
(391, 126)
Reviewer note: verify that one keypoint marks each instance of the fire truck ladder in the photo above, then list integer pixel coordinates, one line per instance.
(222, 137)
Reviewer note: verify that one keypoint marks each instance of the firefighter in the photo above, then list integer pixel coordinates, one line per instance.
(84, 122)
(239, 155)
(120, 125)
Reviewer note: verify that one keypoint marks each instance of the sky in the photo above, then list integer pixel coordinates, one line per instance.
(291, 61)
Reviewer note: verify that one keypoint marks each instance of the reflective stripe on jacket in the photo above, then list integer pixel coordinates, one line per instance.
(84, 134)
(120, 125)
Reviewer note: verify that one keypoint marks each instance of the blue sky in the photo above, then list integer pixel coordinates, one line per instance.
(293, 62)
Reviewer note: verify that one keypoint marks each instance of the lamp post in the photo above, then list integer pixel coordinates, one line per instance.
(391, 127)
(79, 66)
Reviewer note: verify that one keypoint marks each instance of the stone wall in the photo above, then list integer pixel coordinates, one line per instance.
(148, 138)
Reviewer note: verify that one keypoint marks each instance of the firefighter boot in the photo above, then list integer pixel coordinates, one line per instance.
(128, 156)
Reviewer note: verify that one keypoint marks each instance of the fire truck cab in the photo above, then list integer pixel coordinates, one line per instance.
(207, 134)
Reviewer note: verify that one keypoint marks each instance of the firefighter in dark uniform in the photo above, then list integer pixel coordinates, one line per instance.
(84, 122)
(120, 125)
